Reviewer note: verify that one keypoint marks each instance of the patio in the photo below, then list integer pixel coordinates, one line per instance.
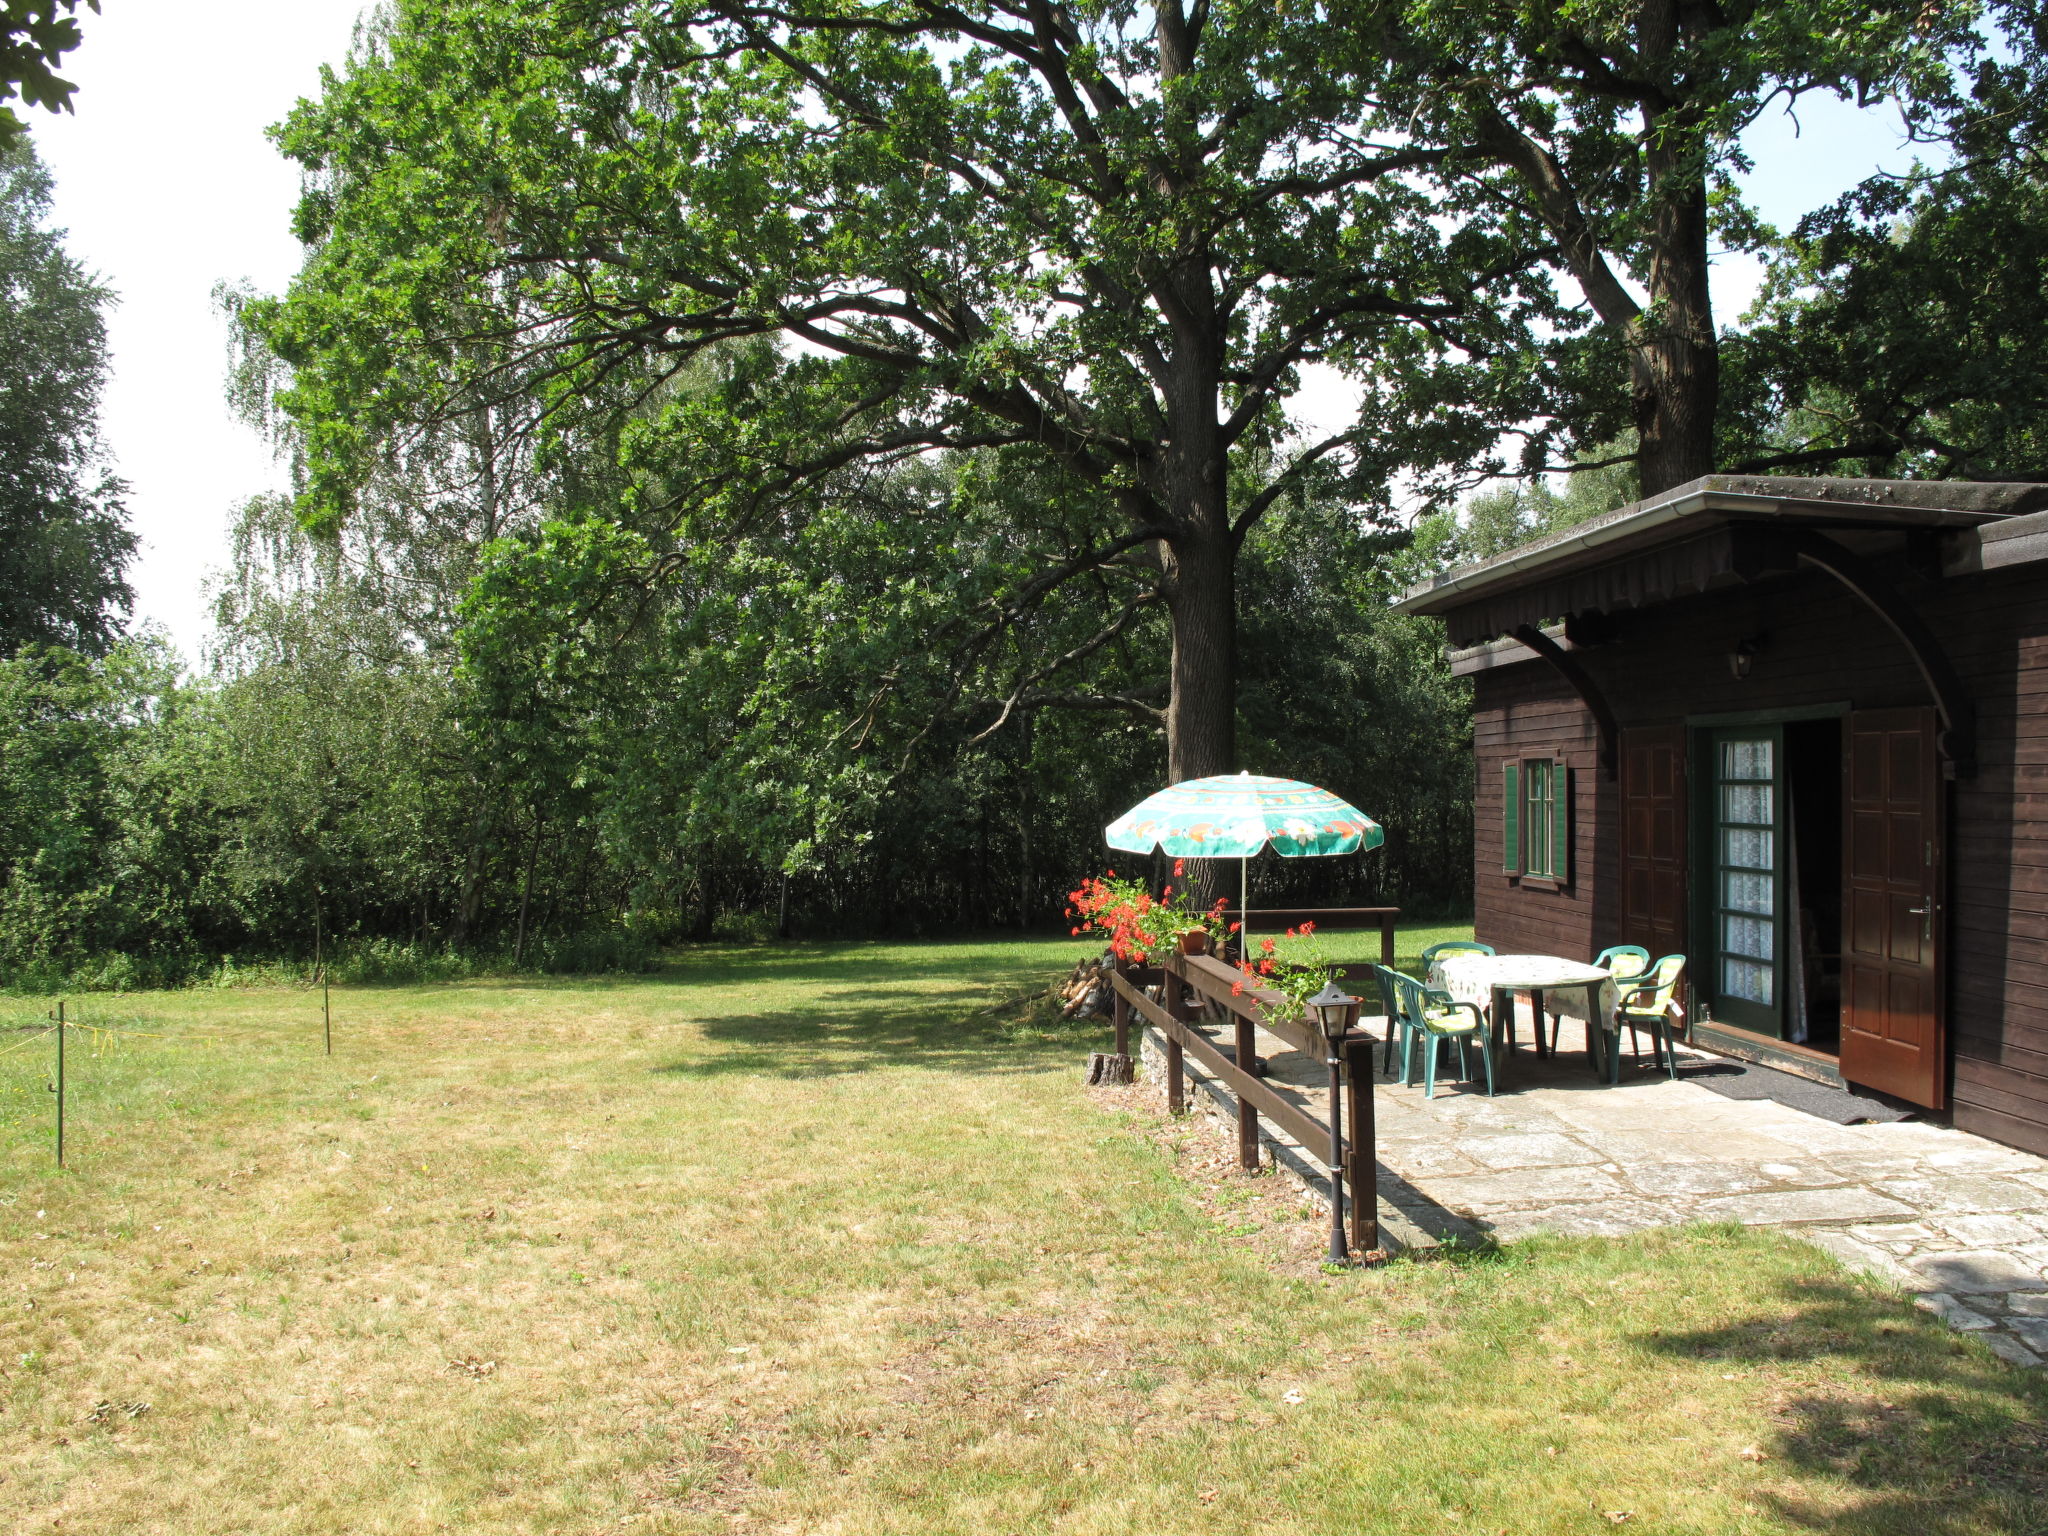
(1958, 1220)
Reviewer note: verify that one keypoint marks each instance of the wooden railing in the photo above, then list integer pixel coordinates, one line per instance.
(1224, 986)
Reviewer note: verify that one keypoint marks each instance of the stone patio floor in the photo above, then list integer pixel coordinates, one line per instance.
(1959, 1221)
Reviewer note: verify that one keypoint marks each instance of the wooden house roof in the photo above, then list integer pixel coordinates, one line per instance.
(1727, 528)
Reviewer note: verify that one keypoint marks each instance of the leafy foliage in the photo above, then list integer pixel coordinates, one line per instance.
(63, 544)
(34, 37)
(1901, 329)
(1097, 253)
(1617, 127)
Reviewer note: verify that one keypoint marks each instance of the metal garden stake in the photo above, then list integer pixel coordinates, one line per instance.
(320, 965)
(59, 1090)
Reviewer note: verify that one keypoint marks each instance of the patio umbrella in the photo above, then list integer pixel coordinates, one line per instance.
(1234, 815)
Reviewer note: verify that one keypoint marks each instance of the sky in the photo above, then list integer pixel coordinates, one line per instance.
(167, 185)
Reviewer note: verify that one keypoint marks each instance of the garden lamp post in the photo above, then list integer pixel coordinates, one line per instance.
(1335, 1012)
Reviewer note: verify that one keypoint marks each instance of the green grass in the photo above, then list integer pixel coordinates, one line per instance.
(827, 1238)
(1410, 940)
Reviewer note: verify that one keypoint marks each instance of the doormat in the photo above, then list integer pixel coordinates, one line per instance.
(1745, 1080)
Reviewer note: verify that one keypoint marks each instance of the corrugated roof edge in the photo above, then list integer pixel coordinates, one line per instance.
(1924, 503)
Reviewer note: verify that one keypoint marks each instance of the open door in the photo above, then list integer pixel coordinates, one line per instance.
(1653, 814)
(1892, 1024)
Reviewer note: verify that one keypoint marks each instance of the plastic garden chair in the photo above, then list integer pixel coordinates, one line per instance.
(1647, 1002)
(1440, 1018)
(1624, 959)
(1457, 947)
(1452, 947)
(1399, 1026)
(1622, 962)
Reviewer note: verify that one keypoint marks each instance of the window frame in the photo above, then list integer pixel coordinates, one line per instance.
(1536, 804)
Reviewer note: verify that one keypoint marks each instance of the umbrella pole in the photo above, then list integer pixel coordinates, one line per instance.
(1244, 909)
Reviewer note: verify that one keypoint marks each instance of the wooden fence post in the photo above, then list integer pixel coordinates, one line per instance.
(1121, 1012)
(1387, 940)
(1174, 994)
(1247, 1117)
(1361, 1168)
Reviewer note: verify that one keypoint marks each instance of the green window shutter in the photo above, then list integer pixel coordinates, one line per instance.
(1511, 817)
(1561, 821)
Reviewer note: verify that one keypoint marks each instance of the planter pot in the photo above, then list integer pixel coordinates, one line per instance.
(1196, 943)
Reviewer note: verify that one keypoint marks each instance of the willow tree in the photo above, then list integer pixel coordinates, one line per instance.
(1111, 238)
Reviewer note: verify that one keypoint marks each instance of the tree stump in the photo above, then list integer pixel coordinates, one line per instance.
(1107, 1069)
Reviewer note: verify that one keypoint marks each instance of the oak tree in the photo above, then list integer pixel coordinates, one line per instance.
(1107, 238)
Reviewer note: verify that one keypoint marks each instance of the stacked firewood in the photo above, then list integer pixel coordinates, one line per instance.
(1087, 990)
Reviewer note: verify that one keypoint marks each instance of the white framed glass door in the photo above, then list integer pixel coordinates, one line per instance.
(1744, 819)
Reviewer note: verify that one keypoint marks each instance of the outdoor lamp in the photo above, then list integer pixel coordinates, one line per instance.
(1335, 1011)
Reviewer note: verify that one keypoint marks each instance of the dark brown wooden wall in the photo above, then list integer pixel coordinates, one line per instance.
(1528, 711)
(1822, 647)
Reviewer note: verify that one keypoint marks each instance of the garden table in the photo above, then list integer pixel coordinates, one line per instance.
(1489, 980)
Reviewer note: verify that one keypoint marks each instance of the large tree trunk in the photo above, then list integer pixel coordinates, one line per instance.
(1675, 362)
(1201, 713)
(1200, 559)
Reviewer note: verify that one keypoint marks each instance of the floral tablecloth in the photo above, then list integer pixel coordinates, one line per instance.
(1471, 978)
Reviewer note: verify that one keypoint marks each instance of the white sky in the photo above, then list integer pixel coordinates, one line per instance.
(167, 185)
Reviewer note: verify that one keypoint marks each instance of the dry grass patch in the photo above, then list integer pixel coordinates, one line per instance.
(827, 1239)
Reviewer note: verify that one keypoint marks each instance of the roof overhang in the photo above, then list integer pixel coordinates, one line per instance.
(1686, 533)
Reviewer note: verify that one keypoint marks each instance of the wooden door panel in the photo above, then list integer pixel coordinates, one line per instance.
(1892, 1027)
(1863, 932)
(1666, 841)
(1653, 888)
(1903, 928)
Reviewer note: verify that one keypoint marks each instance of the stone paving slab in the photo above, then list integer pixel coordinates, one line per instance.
(1959, 1221)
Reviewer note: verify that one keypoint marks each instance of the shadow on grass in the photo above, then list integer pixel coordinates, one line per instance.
(1019, 1036)
(1939, 1437)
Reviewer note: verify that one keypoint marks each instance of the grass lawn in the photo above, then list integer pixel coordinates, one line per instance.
(828, 1238)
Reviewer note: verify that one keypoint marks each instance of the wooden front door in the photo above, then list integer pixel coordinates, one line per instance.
(1653, 811)
(1892, 1026)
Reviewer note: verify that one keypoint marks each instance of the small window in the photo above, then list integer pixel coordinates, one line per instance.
(1536, 821)
(1539, 815)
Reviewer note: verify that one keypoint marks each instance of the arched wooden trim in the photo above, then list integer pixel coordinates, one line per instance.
(1589, 693)
(1958, 737)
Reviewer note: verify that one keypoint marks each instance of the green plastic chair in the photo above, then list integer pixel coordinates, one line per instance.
(1399, 1026)
(1457, 947)
(1622, 962)
(1440, 1018)
(1624, 959)
(1646, 1003)
(1452, 947)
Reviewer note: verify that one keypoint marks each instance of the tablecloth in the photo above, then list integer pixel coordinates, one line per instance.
(1471, 978)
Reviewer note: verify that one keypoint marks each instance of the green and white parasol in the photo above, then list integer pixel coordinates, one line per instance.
(1234, 815)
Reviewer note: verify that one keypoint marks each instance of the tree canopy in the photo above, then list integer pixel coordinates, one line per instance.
(1618, 128)
(34, 37)
(1101, 242)
(1902, 327)
(63, 542)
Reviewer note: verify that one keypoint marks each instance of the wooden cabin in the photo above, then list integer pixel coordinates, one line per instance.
(1796, 729)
